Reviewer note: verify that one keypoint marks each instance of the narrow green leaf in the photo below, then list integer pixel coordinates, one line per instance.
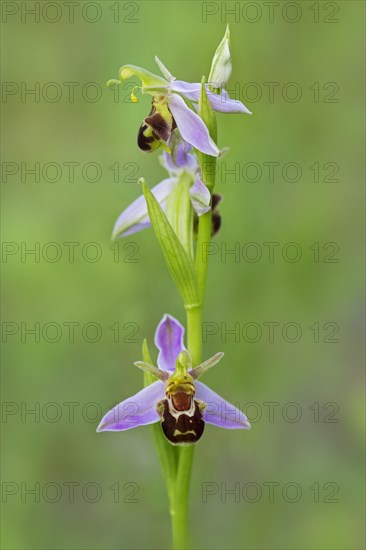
(179, 212)
(179, 263)
(148, 377)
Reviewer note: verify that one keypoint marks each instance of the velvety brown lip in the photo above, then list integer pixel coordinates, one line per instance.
(181, 401)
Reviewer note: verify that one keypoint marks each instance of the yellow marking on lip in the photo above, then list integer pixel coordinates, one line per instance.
(177, 432)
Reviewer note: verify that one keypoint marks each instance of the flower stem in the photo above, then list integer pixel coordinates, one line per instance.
(194, 334)
(185, 459)
(181, 497)
(201, 264)
(194, 342)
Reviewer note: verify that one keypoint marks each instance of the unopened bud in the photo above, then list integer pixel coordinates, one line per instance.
(221, 64)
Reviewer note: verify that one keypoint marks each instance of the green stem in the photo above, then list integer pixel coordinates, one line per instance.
(181, 498)
(180, 507)
(194, 333)
(181, 493)
(208, 171)
(201, 264)
(194, 341)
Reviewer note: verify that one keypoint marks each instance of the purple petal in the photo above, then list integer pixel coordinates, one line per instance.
(220, 102)
(191, 126)
(218, 411)
(135, 217)
(189, 89)
(169, 340)
(134, 229)
(137, 410)
(200, 196)
(180, 157)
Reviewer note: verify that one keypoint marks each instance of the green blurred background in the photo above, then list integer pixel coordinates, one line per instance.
(316, 381)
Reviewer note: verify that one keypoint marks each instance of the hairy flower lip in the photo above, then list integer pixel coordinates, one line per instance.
(140, 409)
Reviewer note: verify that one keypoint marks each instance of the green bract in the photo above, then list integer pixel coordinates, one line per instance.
(179, 263)
(221, 64)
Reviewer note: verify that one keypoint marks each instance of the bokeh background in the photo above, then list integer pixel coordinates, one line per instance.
(310, 376)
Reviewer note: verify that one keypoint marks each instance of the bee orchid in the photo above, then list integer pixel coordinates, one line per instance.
(177, 399)
(174, 103)
(135, 217)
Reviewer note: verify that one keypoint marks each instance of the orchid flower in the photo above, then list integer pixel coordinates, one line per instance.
(182, 123)
(135, 217)
(177, 399)
(170, 98)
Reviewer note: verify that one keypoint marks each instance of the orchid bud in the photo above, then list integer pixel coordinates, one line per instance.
(221, 64)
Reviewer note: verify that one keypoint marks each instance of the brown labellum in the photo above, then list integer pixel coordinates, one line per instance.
(181, 419)
(155, 128)
(145, 138)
